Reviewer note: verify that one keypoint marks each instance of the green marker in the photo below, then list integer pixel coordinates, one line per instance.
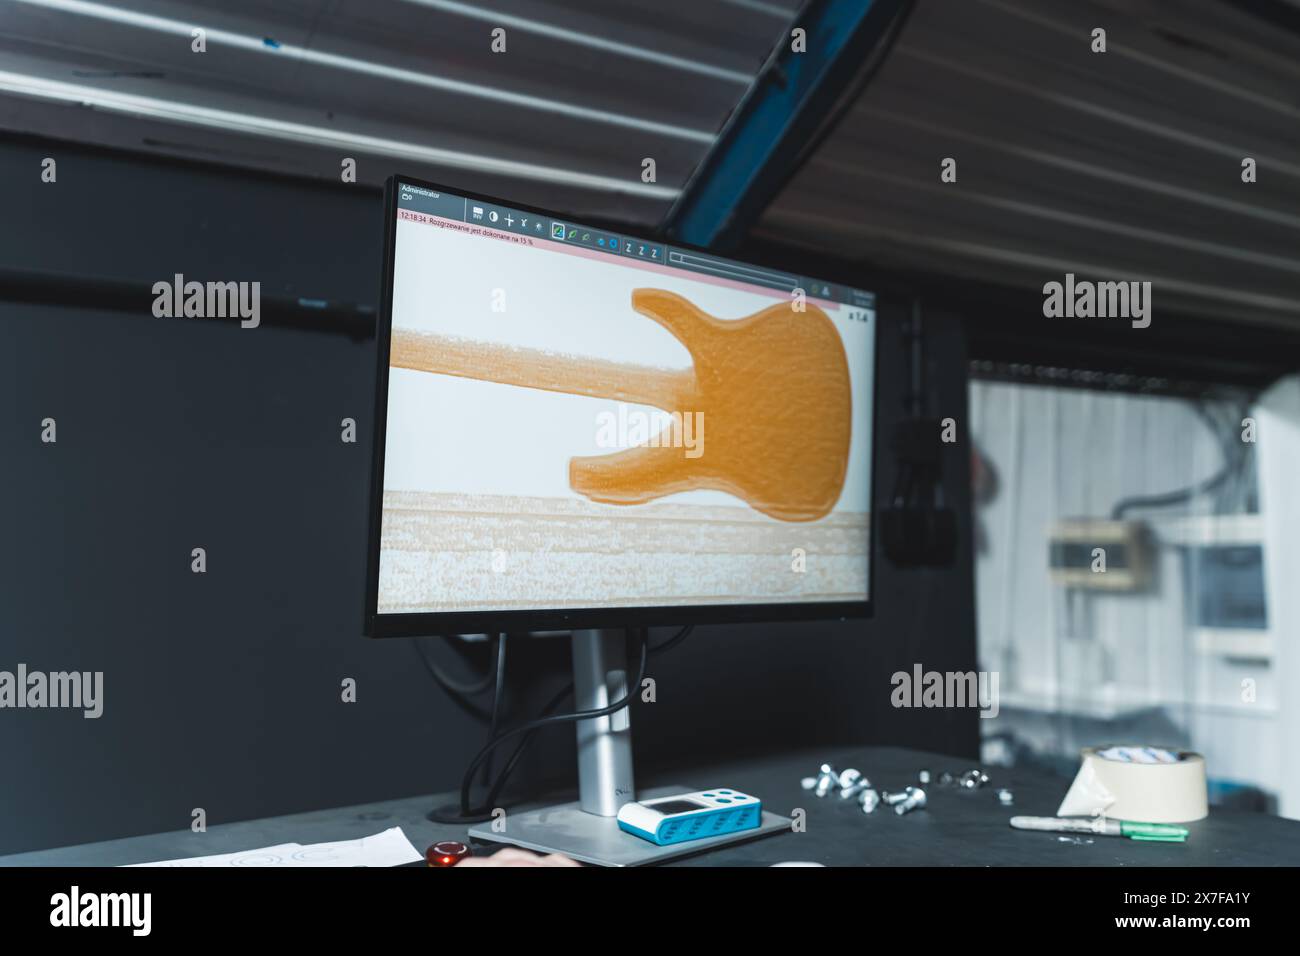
(1153, 832)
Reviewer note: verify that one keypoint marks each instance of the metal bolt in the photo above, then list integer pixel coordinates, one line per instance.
(848, 778)
(1006, 797)
(868, 800)
(827, 778)
(973, 779)
(915, 801)
(855, 786)
(923, 776)
(808, 782)
(893, 798)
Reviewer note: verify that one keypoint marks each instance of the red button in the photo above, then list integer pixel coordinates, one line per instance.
(446, 853)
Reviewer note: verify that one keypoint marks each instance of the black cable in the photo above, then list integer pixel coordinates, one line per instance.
(1232, 461)
(673, 641)
(540, 722)
(875, 59)
(453, 688)
(461, 814)
(554, 703)
(450, 684)
(774, 72)
(498, 696)
(495, 790)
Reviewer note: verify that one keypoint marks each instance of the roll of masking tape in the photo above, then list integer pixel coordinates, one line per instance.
(1138, 783)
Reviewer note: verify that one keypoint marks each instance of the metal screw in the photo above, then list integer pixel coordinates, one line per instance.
(1006, 797)
(856, 789)
(923, 776)
(855, 786)
(827, 778)
(893, 798)
(915, 801)
(973, 779)
(808, 782)
(868, 800)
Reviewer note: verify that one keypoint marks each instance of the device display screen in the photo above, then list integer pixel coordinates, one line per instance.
(578, 418)
(669, 807)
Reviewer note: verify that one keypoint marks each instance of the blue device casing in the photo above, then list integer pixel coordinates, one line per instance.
(720, 812)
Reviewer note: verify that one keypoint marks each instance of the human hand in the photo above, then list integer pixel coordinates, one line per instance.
(512, 856)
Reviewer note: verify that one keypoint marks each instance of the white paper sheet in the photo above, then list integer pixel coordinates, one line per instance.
(390, 848)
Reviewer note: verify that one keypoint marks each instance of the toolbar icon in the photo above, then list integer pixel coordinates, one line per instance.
(557, 230)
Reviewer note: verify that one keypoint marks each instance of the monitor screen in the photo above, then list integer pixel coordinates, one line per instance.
(580, 426)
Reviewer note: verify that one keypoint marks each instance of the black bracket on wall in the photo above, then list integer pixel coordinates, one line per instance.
(136, 298)
(917, 527)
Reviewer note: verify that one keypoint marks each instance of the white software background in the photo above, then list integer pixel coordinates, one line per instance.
(450, 434)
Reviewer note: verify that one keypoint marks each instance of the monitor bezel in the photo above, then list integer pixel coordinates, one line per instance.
(423, 623)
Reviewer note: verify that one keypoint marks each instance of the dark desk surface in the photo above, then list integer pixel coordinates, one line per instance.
(958, 828)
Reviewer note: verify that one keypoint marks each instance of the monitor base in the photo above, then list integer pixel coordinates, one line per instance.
(589, 838)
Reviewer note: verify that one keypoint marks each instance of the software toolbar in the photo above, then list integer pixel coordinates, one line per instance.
(548, 229)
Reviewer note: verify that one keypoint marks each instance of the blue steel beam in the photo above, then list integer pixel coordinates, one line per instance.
(789, 105)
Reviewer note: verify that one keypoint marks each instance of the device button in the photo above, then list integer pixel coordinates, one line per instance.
(446, 853)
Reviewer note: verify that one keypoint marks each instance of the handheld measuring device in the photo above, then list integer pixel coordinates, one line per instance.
(691, 816)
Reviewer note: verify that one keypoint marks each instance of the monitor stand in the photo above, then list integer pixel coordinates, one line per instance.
(586, 830)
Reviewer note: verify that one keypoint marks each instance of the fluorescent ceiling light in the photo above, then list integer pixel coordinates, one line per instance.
(524, 25)
(145, 21)
(227, 120)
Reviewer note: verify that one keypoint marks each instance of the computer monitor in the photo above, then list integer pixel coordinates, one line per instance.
(579, 427)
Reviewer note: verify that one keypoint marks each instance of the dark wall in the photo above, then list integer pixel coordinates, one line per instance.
(222, 690)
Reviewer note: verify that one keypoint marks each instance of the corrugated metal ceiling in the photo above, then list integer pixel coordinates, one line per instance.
(563, 118)
(1117, 166)
(1123, 165)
